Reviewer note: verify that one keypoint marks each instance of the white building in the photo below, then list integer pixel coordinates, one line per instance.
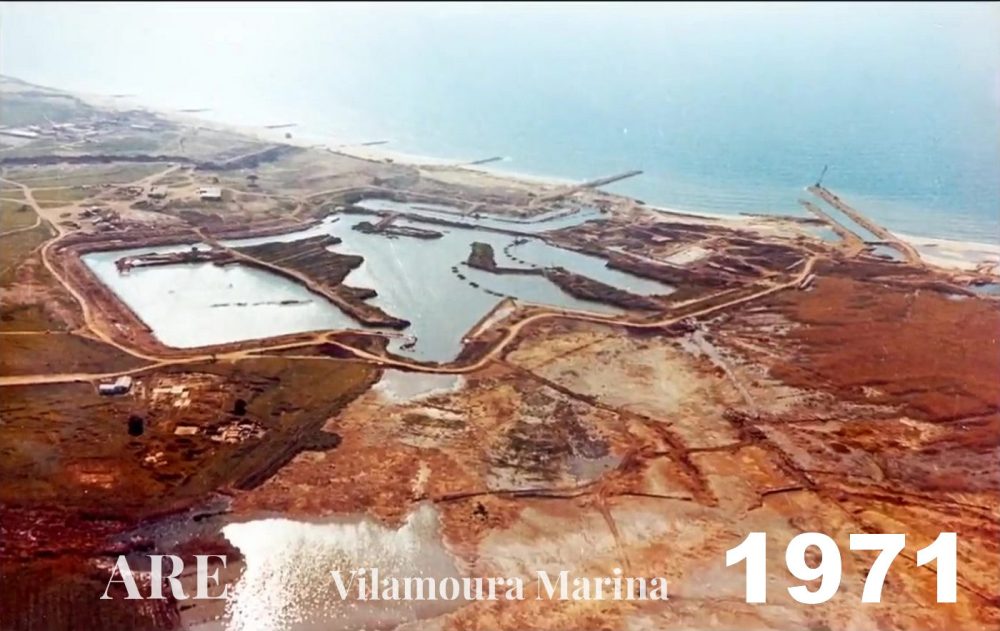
(210, 194)
(121, 385)
(158, 192)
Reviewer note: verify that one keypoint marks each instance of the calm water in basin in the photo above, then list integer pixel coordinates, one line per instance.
(202, 304)
(551, 220)
(417, 279)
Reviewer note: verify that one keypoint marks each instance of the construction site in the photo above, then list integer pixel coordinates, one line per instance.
(500, 375)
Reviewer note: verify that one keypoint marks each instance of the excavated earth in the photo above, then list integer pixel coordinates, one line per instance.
(865, 398)
(849, 407)
(866, 402)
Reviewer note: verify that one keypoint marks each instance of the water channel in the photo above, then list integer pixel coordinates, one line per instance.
(422, 280)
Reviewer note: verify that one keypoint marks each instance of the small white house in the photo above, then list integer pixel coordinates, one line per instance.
(121, 385)
(210, 194)
(158, 192)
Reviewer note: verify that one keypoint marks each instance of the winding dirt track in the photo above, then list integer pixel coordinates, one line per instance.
(325, 338)
(94, 330)
(38, 222)
(90, 322)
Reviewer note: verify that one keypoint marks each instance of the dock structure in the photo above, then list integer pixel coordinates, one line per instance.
(481, 161)
(603, 181)
(852, 242)
(595, 183)
(386, 221)
(153, 259)
(908, 251)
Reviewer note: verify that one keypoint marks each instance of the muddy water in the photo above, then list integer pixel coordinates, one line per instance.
(287, 583)
(825, 234)
(990, 289)
(397, 386)
(421, 280)
(888, 252)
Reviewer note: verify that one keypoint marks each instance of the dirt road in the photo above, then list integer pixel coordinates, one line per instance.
(93, 327)
(326, 337)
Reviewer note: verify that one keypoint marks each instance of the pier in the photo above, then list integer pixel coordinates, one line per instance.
(385, 226)
(853, 244)
(908, 251)
(596, 183)
(153, 259)
(386, 221)
(481, 161)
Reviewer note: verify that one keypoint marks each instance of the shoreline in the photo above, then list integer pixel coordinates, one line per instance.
(962, 251)
(966, 256)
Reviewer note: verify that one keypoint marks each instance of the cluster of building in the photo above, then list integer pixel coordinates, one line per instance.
(84, 130)
(103, 219)
(237, 432)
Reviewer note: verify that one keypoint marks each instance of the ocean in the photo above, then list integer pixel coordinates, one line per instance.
(726, 108)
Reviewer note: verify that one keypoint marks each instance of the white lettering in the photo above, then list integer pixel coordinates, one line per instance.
(659, 590)
(632, 583)
(204, 576)
(550, 589)
(338, 582)
(121, 567)
(449, 589)
(582, 589)
(515, 589)
(156, 576)
(390, 589)
(420, 584)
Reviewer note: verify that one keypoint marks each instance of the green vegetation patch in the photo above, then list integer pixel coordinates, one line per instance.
(15, 215)
(14, 248)
(22, 109)
(64, 195)
(80, 174)
(60, 352)
(66, 444)
(33, 300)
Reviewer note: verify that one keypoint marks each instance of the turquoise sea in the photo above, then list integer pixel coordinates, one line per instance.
(726, 108)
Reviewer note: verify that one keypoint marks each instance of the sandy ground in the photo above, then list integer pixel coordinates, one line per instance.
(959, 255)
(848, 407)
(945, 253)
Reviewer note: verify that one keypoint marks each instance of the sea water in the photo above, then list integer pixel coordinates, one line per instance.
(731, 109)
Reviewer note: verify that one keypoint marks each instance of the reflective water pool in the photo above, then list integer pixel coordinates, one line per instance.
(421, 280)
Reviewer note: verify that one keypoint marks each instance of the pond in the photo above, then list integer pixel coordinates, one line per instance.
(287, 582)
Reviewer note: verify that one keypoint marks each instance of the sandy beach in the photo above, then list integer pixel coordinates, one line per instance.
(943, 253)
(953, 254)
